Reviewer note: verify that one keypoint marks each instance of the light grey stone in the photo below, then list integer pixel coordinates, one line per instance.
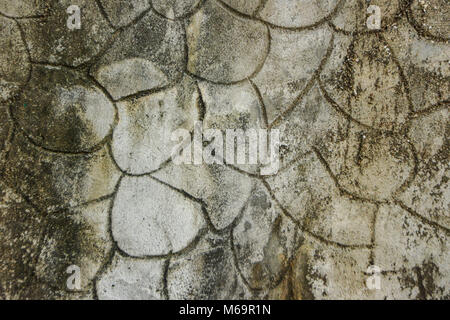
(87, 175)
(150, 219)
(377, 165)
(223, 190)
(130, 76)
(264, 241)
(235, 52)
(428, 133)
(322, 272)
(142, 141)
(233, 107)
(132, 279)
(281, 81)
(296, 13)
(429, 193)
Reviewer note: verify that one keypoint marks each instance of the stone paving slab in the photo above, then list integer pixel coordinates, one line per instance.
(93, 204)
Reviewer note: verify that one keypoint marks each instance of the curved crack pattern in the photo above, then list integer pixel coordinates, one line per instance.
(345, 193)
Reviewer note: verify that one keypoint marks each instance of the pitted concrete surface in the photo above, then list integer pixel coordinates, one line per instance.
(87, 180)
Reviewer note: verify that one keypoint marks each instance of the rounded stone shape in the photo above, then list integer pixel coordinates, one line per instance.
(61, 111)
(377, 165)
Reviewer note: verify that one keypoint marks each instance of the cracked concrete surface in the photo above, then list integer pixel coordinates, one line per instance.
(86, 176)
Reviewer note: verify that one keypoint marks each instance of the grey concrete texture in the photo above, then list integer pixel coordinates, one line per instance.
(86, 176)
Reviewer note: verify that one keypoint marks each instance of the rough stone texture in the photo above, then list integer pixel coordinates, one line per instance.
(233, 107)
(140, 142)
(162, 220)
(280, 81)
(14, 60)
(206, 272)
(221, 190)
(54, 180)
(424, 63)
(379, 101)
(23, 8)
(87, 179)
(50, 41)
(5, 133)
(79, 235)
(224, 48)
(153, 45)
(264, 241)
(176, 9)
(296, 13)
(132, 279)
(123, 12)
(353, 15)
(431, 16)
(59, 110)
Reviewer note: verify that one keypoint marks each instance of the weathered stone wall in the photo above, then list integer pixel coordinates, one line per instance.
(87, 178)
